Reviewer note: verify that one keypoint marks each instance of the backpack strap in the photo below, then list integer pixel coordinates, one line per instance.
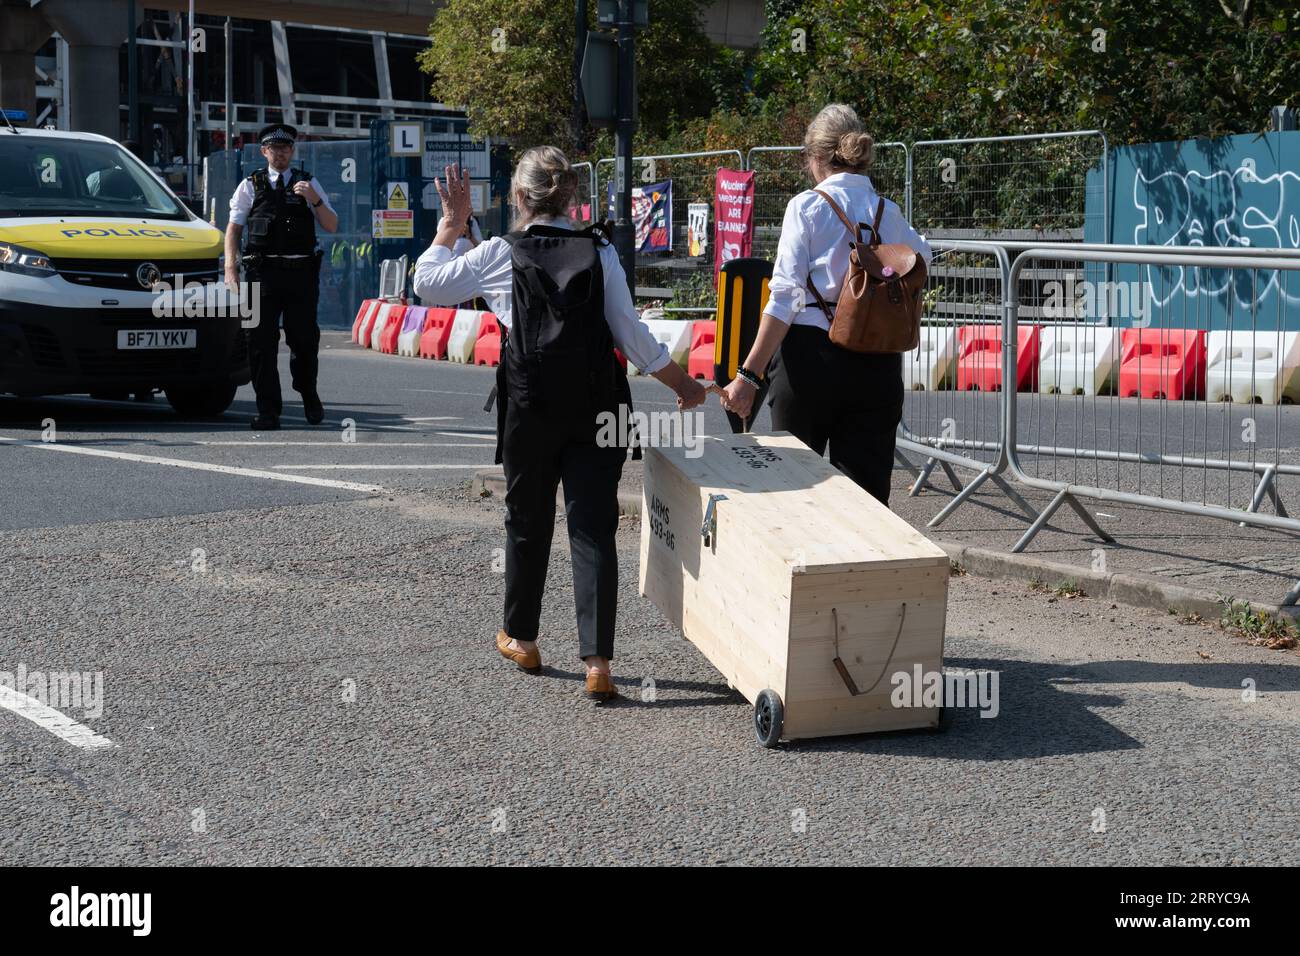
(875, 226)
(854, 230)
(600, 232)
(821, 302)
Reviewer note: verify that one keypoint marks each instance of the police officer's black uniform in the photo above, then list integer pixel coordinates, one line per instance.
(280, 255)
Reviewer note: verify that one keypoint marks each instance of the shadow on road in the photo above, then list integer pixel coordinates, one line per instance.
(1039, 715)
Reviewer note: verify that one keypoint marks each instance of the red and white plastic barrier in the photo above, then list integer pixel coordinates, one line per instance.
(1077, 359)
(929, 366)
(1162, 363)
(699, 364)
(368, 320)
(464, 336)
(367, 311)
(487, 347)
(979, 358)
(393, 328)
(436, 332)
(408, 339)
(675, 334)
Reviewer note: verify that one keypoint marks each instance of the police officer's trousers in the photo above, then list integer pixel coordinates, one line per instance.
(538, 453)
(291, 293)
(823, 394)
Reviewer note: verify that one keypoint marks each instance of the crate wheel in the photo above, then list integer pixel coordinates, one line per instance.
(769, 716)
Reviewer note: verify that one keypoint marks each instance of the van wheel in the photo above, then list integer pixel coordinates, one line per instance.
(209, 402)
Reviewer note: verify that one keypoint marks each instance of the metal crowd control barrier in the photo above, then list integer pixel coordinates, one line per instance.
(392, 278)
(1010, 192)
(677, 275)
(689, 185)
(1180, 456)
(949, 416)
(1077, 366)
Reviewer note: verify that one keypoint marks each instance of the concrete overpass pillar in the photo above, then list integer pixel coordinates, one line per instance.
(22, 32)
(95, 31)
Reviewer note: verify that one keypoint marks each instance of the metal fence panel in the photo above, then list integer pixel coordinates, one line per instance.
(779, 176)
(1029, 186)
(953, 413)
(1195, 420)
(685, 280)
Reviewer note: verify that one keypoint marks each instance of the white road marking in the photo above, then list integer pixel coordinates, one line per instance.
(486, 436)
(336, 444)
(62, 726)
(378, 467)
(195, 465)
(362, 422)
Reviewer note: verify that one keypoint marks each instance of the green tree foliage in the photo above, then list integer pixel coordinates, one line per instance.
(509, 63)
(915, 69)
(1158, 69)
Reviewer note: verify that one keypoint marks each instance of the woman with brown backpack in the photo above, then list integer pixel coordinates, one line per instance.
(845, 303)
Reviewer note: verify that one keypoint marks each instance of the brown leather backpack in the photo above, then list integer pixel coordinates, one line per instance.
(879, 307)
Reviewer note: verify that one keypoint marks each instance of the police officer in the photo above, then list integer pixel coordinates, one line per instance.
(279, 207)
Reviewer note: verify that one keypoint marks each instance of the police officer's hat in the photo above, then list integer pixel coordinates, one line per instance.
(278, 133)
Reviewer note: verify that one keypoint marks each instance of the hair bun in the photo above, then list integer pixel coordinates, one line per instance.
(855, 149)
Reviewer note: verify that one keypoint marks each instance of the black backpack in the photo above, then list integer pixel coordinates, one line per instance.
(560, 351)
(558, 356)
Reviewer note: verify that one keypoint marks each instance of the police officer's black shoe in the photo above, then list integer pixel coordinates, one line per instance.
(313, 409)
(265, 423)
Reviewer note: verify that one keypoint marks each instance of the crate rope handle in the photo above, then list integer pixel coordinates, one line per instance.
(844, 671)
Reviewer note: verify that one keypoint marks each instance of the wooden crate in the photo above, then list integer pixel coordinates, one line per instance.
(794, 552)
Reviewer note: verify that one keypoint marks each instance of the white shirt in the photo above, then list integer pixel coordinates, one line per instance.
(815, 242)
(463, 245)
(443, 277)
(242, 201)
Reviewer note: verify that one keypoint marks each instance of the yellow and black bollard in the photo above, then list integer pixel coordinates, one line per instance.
(742, 294)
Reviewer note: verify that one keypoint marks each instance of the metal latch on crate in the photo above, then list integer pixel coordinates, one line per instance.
(710, 525)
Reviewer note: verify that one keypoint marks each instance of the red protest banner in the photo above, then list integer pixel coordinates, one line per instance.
(733, 213)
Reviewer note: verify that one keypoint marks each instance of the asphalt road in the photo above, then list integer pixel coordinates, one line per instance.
(304, 673)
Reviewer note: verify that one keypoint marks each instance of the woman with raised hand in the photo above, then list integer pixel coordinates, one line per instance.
(562, 299)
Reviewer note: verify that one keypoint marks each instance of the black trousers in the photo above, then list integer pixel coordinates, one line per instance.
(291, 295)
(823, 394)
(539, 452)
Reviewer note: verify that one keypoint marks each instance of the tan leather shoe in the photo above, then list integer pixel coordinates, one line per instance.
(600, 686)
(527, 661)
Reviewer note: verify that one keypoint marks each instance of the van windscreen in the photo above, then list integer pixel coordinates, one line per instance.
(53, 176)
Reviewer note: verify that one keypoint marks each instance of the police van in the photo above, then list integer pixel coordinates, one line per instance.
(89, 236)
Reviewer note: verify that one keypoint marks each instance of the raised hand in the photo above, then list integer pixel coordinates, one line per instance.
(453, 191)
